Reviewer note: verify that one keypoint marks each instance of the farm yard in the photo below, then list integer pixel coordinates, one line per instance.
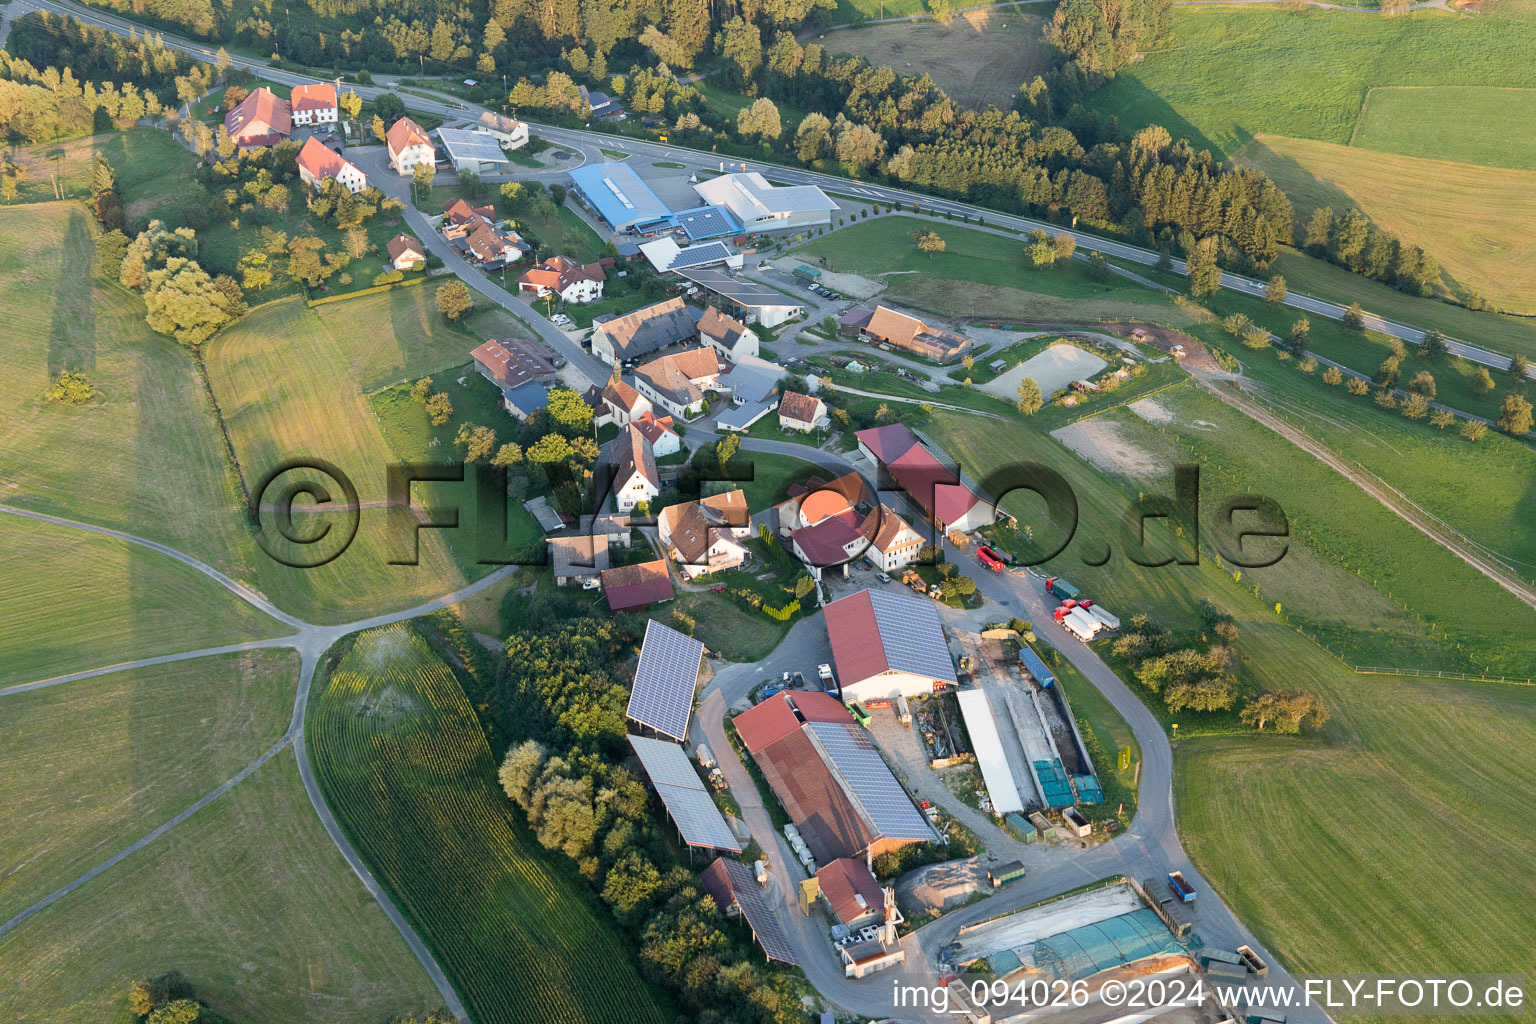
(248, 898)
(392, 721)
(978, 58)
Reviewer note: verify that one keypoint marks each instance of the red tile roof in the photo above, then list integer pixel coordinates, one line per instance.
(802, 408)
(403, 133)
(630, 587)
(514, 361)
(402, 244)
(620, 395)
(855, 636)
(933, 484)
(653, 427)
(560, 272)
(319, 161)
(461, 212)
(827, 543)
(260, 118)
(320, 96)
(844, 879)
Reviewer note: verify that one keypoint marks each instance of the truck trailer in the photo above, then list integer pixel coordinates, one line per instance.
(1255, 962)
(903, 710)
(706, 758)
(1109, 621)
(989, 558)
(1081, 625)
(1061, 589)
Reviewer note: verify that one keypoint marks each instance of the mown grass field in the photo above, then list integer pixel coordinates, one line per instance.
(153, 171)
(406, 769)
(289, 381)
(978, 58)
(1326, 847)
(1229, 73)
(145, 455)
(1461, 123)
(91, 766)
(248, 898)
(1476, 222)
(71, 601)
(979, 275)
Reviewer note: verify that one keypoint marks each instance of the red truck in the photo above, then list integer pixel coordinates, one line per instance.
(989, 558)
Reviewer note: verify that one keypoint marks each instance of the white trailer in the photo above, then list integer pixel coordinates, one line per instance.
(903, 709)
(706, 758)
(1109, 621)
(1081, 625)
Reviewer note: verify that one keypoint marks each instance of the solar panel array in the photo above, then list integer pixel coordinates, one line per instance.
(911, 634)
(868, 781)
(662, 697)
(705, 222)
(688, 802)
(754, 907)
(699, 255)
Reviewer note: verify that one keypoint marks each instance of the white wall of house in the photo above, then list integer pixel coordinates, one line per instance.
(902, 552)
(586, 290)
(724, 553)
(407, 160)
(657, 398)
(667, 443)
(888, 685)
(323, 115)
(633, 491)
(407, 260)
(352, 179)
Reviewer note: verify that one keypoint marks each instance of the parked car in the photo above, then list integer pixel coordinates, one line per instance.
(883, 577)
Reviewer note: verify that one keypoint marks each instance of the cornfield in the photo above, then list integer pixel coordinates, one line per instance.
(406, 769)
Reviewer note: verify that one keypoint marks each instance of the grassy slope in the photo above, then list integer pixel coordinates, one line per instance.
(153, 171)
(991, 267)
(392, 719)
(1476, 222)
(248, 898)
(1461, 123)
(1229, 73)
(91, 766)
(145, 455)
(70, 601)
(1326, 847)
(289, 382)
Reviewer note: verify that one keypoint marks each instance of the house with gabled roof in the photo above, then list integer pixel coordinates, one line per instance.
(261, 119)
(409, 147)
(900, 330)
(318, 163)
(677, 381)
(659, 432)
(616, 402)
(634, 474)
(460, 218)
(707, 535)
(727, 335)
(935, 487)
(509, 131)
(632, 588)
(520, 369)
(405, 251)
(565, 279)
(888, 642)
(802, 413)
(626, 338)
(315, 104)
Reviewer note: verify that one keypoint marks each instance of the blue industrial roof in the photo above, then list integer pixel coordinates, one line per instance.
(618, 194)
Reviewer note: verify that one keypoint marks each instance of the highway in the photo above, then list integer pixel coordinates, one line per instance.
(588, 141)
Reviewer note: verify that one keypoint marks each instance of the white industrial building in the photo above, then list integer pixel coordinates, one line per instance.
(473, 150)
(886, 643)
(761, 206)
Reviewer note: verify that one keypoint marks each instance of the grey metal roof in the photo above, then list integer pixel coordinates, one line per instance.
(662, 697)
(686, 798)
(911, 634)
(868, 781)
(753, 378)
(754, 907)
(463, 144)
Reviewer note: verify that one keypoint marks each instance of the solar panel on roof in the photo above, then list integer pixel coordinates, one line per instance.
(912, 635)
(662, 697)
(754, 907)
(698, 255)
(868, 780)
(687, 800)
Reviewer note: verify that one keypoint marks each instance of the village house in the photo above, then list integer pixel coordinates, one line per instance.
(616, 402)
(633, 588)
(676, 382)
(508, 131)
(409, 147)
(460, 218)
(660, 433)
(564, 278)
(315, 104)
(520, 369)
(895, 544)
(802, 413)
(706, 535)
(405, 252)
(261, 119)
(887, 326)
(635, 478)
(578, 558)
(318, 163)
(816, 499)
(625, 339)
(727, 335)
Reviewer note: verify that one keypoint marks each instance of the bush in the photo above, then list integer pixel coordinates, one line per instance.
(388, 277)
(72, 389)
